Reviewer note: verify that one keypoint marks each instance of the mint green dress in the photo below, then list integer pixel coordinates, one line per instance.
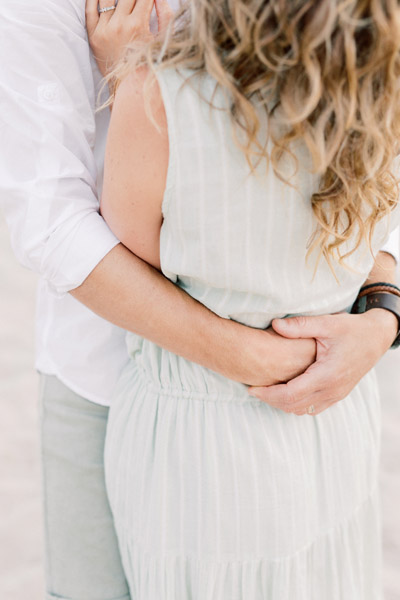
(216, 495)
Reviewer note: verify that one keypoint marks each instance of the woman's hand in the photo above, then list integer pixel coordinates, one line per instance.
(348, 346)
(110, 32)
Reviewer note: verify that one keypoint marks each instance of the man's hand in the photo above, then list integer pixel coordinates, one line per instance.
(263, 357)
(111, 31)
(348, 346)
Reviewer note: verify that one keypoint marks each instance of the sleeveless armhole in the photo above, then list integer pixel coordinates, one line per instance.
(169, 82)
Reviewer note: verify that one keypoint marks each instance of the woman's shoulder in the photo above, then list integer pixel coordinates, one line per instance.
(133, 98)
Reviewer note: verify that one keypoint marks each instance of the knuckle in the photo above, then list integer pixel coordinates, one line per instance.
(116, 28)
(287, 405)
(299, 410)
(136, 26)
(300, 321)
(99, 34)
(288, 401)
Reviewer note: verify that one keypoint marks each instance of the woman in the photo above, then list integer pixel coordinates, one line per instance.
(264, 191)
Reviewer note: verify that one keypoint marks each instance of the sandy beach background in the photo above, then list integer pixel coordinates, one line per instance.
(21, 551)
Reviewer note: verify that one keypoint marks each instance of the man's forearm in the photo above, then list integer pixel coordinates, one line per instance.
(384, 270)
(131, 294)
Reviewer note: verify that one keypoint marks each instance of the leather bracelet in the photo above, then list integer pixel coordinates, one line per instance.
(391, 287)
(379, 288)
(386, 300)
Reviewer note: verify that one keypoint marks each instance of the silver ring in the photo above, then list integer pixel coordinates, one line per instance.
(311, 409)
(101, 10)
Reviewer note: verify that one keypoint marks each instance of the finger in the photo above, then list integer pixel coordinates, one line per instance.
(313, 409)
(305, 327)
(142, 11)
(295, 392)
(125, 7)
(92, 15)
(313, 404)
(280, 400)
(106, 16)
(279, 396)
(164, 14)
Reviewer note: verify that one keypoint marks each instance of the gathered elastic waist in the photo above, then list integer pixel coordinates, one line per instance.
(169, 374)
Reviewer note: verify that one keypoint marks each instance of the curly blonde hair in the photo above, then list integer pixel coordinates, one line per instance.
(328, 71)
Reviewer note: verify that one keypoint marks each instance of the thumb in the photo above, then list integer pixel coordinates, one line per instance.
(301, 327)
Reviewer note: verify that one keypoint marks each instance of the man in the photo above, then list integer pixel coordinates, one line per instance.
(50, 173)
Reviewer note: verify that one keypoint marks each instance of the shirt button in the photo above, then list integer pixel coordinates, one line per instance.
(49, 93)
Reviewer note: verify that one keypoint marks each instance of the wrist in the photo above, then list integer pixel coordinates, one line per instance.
(385, 326)
(225, 347)
(381, 296)
(262, 357)
(252, 355)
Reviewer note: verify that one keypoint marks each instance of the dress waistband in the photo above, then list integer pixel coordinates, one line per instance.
(173, 375)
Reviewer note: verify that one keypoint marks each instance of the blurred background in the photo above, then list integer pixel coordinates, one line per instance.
(21, 572)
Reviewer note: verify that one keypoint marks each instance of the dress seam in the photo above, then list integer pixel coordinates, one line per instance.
(345, 521)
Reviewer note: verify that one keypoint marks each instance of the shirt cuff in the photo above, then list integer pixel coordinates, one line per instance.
(69, 261)
(392, 244)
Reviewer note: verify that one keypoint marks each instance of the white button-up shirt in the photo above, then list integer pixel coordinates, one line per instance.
(51, 166)
(52, 151)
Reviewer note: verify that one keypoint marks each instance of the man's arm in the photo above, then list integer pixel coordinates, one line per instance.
(130, 293)
(48, 187)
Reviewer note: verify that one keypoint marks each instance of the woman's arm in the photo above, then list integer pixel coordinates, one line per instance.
(135, 168)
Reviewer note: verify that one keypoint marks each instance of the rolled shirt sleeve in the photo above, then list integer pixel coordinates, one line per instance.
(48, 172)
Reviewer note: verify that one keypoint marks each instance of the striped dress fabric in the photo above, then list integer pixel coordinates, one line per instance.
(216, 495)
